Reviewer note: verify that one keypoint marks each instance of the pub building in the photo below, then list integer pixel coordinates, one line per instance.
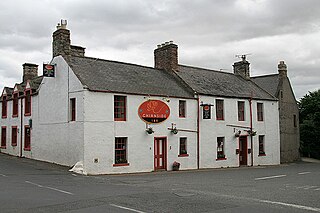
(114, 117)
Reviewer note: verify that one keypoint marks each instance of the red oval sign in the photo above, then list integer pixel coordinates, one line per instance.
(154, 111)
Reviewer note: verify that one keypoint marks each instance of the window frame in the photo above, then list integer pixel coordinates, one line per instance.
(3, 144)
(27, 102)
(73, 105)
(183, 147)
(14, 135)
(221, 148)
(27, 138)
(4, 107)
(260, 114)
(182, 108)
(15, 104)
(118, 151)
(241, 111)
(220, 109)
(117, 108)
(261, 144)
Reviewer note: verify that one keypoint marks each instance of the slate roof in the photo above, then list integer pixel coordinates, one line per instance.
(268, 82)
(223, 84)
(118, 77)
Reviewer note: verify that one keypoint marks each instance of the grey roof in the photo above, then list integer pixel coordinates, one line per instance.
(112, 76)
(268, 82)
(217, 83)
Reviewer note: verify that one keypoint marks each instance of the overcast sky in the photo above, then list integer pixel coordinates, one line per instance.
(209, 33)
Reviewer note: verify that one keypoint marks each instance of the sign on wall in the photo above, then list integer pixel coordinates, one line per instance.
(206, 112)
(48, 70)
(154, 111)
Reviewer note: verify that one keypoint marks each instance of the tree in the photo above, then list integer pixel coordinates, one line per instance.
(309, 108)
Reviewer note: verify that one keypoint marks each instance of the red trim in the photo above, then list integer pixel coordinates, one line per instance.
(3, 138)
(73, 109)
(120, 164)
(221, 159)
(198, 133)
(27, 148)
(183, 155)
(243, 151)
(218, 108)
(4, 112)
(12, 136)
(164, 153)
(25, 102)
(15, 106)
(124, 101)
(262, 155)
(182, 108)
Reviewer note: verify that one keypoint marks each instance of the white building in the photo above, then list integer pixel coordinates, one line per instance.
(117, 117)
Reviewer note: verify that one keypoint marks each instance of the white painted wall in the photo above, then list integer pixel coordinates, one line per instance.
(210, 129)
(101, 130)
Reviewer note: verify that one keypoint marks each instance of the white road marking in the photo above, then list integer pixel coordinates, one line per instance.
(317, 189)
(129, 209)
(48, 187)
(3, 175)
(270, 177)
(303, 173)
(74, 175)
(292, 205)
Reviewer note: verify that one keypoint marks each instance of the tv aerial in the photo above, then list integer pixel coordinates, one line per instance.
(242, 56)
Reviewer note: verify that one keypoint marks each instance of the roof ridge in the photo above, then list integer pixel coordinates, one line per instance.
(205, 69)
(267, 75)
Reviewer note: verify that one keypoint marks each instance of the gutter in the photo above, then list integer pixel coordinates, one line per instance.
(21, 126)
(198, 133)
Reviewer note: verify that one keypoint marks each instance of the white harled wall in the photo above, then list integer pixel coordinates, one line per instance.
(210, 129)
(100, 131)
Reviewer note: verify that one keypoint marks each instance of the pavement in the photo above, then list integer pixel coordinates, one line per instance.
(310, 160)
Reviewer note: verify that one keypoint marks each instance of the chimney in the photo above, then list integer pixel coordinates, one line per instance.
(77, 51)
(166, 56)
(242, 68)
(30, 71)
(61, 41)
(282, 69)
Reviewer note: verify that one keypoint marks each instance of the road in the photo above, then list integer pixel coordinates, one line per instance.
(32, 186)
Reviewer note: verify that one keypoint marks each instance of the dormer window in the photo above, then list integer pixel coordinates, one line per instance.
(27, 103)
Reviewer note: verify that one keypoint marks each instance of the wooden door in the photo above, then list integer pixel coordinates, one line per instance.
(160, 153)
(243, 150)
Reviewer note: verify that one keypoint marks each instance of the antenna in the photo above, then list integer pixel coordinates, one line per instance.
(243, 56)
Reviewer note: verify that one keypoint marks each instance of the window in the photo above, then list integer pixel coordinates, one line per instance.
(27, 138)
(72, 109)
(240, 110)
(260, 111)
(27, 103)
(261, 145)
(120, 152)
(4, 106)
(294, 120)
(183, 147)
(220, 148)
(14, 136)
(182, 109)
(219, 109)
(119, 108)
(3, 137)
(15, 105)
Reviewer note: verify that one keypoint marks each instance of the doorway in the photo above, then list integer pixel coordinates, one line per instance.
(243, 150)
(160, 153)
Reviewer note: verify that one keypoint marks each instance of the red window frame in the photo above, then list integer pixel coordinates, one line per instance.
(219, 109)
(15, 104)
(183, 152)
(14, 136)
(241, 106)
(182, 109)
(220, 148)
(27, 138)
(27, 102)
(120, 154)
(261, 145)
(260, 111)
(3, 137)
(73, 109)
(120, 105)
(4, 106)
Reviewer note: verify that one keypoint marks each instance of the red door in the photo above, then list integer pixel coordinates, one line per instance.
(243, 151)
(160, 153)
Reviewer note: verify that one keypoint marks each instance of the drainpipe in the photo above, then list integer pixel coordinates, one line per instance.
(21, 126)
(251, 137)
(198, 133)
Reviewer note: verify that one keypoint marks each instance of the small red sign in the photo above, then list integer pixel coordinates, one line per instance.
(154, 111)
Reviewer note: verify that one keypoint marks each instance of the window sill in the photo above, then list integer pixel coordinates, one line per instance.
(3, 147)
(221, 159)
(4, 117)
(27, 149)
(120, 164)
(220, 119)
(183, 155)
(14, 116)
(14, 144)
(27, 114)
(262, 155)
(120, 119)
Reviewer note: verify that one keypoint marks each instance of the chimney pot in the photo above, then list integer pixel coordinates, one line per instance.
(166, 57)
